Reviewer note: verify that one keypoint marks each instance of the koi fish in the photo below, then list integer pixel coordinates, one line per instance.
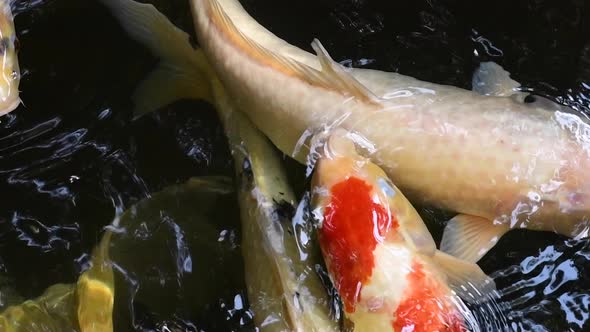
(379, 253)
(284, 290)
(498, 162)
(10, 79)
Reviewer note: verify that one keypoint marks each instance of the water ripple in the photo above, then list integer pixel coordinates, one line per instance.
(549, 291)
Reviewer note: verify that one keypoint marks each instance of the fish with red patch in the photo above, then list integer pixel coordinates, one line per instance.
(379, 254)
(349, 242)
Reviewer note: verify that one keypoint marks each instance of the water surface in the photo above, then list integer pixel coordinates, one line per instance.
(72, 158)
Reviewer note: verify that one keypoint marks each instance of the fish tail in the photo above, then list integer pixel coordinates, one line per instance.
(183, 72)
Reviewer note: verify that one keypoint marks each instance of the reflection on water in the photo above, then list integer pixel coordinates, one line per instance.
(552, 281)
(71, 159)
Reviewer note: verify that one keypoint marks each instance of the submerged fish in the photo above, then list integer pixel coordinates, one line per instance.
(284, 289)
(85, 306)
(10, 74)
(380, 254)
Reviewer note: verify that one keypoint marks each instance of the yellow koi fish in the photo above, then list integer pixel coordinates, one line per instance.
(284, 290)
(380, 254)
(9, 81)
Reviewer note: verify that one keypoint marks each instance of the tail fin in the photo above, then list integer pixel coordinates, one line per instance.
(183, 71)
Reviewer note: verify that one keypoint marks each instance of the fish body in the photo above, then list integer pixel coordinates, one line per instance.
(378, 251)
(497, 161)
(284, 290)
(10, 73)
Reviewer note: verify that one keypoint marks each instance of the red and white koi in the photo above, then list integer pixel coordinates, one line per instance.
(379, 254)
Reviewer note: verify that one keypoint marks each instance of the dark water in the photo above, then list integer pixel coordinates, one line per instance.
(72, 158)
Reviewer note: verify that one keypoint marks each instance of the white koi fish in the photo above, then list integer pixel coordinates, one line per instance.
(498, 162)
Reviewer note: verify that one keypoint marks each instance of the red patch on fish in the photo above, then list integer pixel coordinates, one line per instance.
(353, 225)
(424, 307)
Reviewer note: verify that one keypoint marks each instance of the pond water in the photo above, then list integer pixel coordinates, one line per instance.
(72, 157)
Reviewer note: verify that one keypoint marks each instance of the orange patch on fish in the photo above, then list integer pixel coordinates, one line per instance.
(424, 307)
(354, 223)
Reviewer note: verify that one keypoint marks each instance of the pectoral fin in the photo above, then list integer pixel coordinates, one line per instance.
(490, 79)
(470, 238)
(467, 279)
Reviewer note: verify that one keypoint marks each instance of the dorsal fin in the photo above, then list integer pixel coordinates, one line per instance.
(337, 72)
(490, 79)
(331, 77)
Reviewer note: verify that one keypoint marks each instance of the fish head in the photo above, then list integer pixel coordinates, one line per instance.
(341, 162)
(10, 73)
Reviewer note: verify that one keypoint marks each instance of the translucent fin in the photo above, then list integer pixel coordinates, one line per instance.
(345, 80)
(146, 25)
(182, 72)
(470, 238)
(465, 278)
(490, 79)
(332, 77)
(167, 84)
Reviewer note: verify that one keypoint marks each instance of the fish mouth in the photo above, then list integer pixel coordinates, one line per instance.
(7, 108)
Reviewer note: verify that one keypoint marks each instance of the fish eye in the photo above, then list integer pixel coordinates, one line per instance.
(14, 75)
(529, 99)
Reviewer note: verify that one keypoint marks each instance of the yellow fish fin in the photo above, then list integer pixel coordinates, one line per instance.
(331, 77)
(183, 71)
(469, 237)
